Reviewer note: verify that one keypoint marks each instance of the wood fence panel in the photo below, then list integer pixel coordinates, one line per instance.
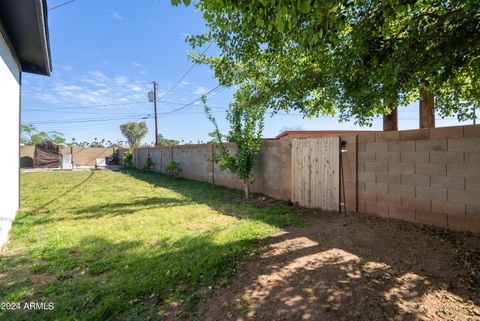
(315, 173)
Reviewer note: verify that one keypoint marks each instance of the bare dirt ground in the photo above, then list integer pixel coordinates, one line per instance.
(355, 267)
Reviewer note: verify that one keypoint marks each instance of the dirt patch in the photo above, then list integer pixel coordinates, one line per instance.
(355, 267)
(42, 279)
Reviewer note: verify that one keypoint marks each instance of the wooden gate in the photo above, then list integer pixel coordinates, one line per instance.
(316, 173)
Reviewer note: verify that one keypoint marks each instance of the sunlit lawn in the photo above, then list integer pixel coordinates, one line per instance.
(125, 245)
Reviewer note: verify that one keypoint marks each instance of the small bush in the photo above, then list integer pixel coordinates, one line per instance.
(173, 169)
(148, 164)
(115, 159)
(128, 159)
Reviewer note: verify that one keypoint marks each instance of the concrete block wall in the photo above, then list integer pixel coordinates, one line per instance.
(194, 161)
(226, 178)
(140, 156)
(26, 156)
(271, 172)
(121, 154)
(350, 171)
(429, 176)
(82, 156)
(86, 156)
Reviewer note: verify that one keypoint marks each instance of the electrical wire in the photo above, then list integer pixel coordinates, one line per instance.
(61, 5)
(194, 101)
(82, 120)
(91, 106)
(174, 111)
(106, 105)
(182, 77)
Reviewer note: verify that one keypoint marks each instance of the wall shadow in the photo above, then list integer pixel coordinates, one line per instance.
(89, 177)
(98, 279)
(354, 267)
(227, 201)
(26, 162)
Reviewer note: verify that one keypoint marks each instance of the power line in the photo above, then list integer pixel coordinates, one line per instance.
(83, 120)
(80, 112)
(183, 76)
(107, 105)
(122, 117)
(92, 106)
(93, 112)
(193, 102)
(59, 121)
(61, 5)
(148, 116)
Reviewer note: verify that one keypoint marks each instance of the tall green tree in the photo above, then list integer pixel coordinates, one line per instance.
(246, 128)
(26, 132)
(134, 132)
(353, 59)
(163, 141)
(29, 135)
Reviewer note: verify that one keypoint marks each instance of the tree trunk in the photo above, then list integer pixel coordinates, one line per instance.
(245, 186)
(390, 121)
(427, 109)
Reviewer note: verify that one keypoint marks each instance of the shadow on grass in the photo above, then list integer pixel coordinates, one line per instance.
(125, 208)
(89, 177)
(348, 268)
(227, 201)
(125, 280)
(355, 268)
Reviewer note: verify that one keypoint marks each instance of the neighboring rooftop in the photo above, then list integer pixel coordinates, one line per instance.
(25, 27)
(316, 133)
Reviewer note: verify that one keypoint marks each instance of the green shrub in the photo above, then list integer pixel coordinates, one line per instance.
(115, 158)
(173, 169)
(128, 159)
(148, 164)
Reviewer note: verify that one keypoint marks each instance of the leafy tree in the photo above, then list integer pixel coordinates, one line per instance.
(26, 132)
(246, 127)
(346, 58)
(56, 137)
(162, 141)
(31, 136)
(134, 132)
(286, 128)
(97, 143)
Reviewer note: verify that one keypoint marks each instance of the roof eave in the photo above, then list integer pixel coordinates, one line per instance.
(42, 21)
(25, 24)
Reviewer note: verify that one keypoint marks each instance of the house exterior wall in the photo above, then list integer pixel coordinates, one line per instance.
(9, 161)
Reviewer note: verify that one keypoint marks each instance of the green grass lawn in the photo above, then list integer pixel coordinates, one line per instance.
(125, 245)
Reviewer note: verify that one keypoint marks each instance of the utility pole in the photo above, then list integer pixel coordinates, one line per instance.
(155, 109)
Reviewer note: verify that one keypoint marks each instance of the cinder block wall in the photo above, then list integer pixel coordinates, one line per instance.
(121, 154)
(140, 156)
(428, 176)
(194, 161)
(271, 172)
(82, 156)
(26, 156)
(86, 156)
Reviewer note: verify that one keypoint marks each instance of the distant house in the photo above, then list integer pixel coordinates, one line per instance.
(24, 47)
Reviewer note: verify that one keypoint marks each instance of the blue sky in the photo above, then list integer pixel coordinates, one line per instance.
(106, 54)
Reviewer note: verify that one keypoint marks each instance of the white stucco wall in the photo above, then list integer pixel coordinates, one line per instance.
(9, 131)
